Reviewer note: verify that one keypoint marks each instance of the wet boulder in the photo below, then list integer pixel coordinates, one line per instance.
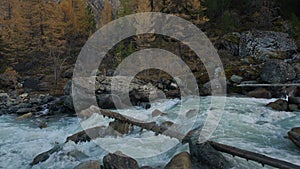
(157, 113)
(204, 156)
(279, 105)
(260, 93)
(294, 100)
(118, 160)
(92, 164)
(293, 107)
(45, 155)
(180, 161)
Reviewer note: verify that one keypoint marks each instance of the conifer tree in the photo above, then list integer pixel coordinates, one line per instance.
(106, 14)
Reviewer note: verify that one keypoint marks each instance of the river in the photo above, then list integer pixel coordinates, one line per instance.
(246, 123)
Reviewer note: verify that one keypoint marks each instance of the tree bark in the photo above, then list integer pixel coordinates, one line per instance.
(248, 155)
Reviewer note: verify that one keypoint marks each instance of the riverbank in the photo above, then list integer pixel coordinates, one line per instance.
(246, 123)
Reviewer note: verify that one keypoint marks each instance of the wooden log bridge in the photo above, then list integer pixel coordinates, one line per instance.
(248, 155)
(269, 85)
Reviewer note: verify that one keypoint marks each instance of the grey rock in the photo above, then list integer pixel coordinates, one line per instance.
(279, 105)
(293, 107)
(106, 101)
(206, 157)
(89, 165)
(68, 102)
(31, 84)
(157, 113)
(138, 91)
(146, 167)
(180, 161)
(277, 71)
(231, 43)
(78, 155)
(68, 88)
(294, 100)
(45, 155)
(260, 93)
(216, 85)
(67, 73)
(118, 160)
(262, 44)
(236, 79)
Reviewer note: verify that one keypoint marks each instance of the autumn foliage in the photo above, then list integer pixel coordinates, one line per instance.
(38, 28)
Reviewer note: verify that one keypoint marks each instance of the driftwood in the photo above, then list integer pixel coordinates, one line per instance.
(248, 155)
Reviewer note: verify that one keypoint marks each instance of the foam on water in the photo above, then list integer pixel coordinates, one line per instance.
(246, 123)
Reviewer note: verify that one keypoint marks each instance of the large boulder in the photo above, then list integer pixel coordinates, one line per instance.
(260, 93)
(279, 105)
(215, 85)
(32, 84)
(89, 165)
(277, 71)
(118, 160)
(204, 156)
(180, 161)
(265, 44)
(294, 100)
(230, 42)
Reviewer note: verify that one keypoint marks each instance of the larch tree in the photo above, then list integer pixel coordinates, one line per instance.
(106, 14)
(146, 24)
(12, 29)
(79, 24)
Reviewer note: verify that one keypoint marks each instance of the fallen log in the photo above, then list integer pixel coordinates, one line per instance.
(248, 155)
(151, 126)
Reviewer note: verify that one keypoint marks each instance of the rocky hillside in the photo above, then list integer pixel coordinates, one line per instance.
(257, 42)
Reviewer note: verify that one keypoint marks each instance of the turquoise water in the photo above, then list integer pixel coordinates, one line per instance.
(246, 123)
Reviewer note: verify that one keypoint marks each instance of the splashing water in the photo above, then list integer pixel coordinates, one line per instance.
(246, 123)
